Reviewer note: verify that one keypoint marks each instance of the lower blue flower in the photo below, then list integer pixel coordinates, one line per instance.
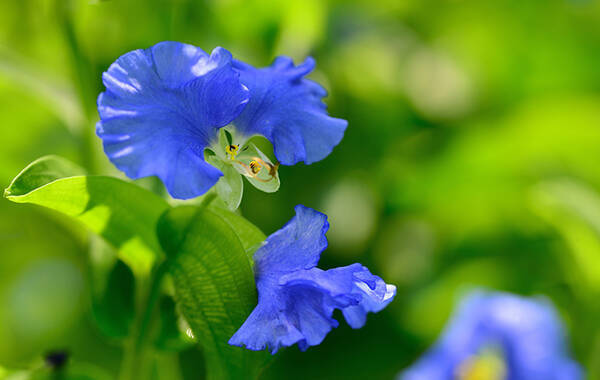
(296, 300)
(499, 336)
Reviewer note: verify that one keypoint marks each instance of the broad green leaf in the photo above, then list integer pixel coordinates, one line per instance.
(40, 172)
(121, 212)
(230, 186)
(250, 236)
(214, 286)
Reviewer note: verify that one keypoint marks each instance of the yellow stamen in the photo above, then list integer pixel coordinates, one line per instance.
(255, 167)
(482, 367)
(232, 150)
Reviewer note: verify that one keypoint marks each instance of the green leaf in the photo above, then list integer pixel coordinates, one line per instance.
(214, 286)
(113, 309)
(122, 213)
(40, 172)
(171, 336)
(250, 236)
(230, 187)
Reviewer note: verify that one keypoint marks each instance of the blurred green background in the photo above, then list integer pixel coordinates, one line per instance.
(471, 159)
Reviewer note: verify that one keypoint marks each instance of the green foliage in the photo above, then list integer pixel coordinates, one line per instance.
(121, 212)
(74, 371)
(113, 308)
(249, 235)
(41, 172)
(214, 286)
(42, 271)
(209, 252)
(473, 132)
(171, 336)
(574, 210)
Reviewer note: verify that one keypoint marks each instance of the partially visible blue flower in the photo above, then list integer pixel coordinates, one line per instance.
(496, 335)
(295, 299)
(287, 109)
(164, 105)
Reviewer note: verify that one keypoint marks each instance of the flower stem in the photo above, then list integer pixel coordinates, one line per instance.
(136, 359)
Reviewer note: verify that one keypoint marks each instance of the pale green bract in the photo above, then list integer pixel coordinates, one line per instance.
(230, 187)
(235, 158)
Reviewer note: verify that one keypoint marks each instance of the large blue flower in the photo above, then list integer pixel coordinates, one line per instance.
(499, 336)
(161, 109)
(295, 299)
(164, 105)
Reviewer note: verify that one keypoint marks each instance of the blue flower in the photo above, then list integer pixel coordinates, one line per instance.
(287, 109)
(163, 107)
(295, 299)
(497, 335)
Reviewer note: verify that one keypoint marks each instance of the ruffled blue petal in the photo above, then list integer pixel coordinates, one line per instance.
(296, 300)
(374, 294)
(286, 315)
(336, 283)
(528, 333)
(298, 245)
(267, 326)
(353, 289)
(287, 109)
(162, 107)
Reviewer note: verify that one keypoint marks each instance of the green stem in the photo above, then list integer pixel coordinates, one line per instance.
(208, 198)
(135, 361)
(150, 305)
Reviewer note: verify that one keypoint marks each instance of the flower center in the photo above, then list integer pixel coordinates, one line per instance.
(255, 166)
(239, 152)
(232, 150)
(485, 366)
